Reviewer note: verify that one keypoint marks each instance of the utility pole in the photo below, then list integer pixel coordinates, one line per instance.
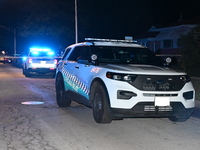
(14, 33)
(76, 23)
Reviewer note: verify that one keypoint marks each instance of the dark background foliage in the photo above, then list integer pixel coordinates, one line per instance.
(190, 59)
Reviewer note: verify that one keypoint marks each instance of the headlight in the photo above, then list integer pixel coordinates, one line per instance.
(185, 78)
(121, 77)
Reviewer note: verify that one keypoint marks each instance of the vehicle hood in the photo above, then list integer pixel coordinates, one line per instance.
(141, 69)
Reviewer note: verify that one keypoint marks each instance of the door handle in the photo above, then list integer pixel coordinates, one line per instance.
(77, 67)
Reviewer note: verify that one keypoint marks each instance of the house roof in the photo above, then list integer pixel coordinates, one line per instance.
(151, 34)
(191, 21)
(170, 31)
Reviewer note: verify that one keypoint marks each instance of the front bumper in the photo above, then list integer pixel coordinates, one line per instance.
(186, 96)
(147, 109)
(42, 70)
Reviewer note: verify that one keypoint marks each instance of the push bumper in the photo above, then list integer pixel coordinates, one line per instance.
(147, 109)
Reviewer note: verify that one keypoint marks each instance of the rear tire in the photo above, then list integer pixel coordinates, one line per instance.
(53, 74)
(61, 97)
(100, 104)
(23, 71)
(26, 72)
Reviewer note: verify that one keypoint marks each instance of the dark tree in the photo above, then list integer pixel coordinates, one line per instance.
(47, 21)
(190, 44)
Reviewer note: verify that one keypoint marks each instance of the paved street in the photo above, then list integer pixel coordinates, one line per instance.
(31, 120)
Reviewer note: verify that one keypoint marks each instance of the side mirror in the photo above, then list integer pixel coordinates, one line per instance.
(94, 59)
(167, 61)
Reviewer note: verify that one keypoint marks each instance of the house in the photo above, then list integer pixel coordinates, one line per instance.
(165, 39)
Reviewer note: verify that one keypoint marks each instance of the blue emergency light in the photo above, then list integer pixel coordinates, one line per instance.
(37, 51)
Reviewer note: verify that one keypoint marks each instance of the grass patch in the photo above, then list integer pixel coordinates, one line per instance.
(196, 84)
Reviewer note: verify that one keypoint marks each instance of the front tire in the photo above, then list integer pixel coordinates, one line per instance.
(61, 97)
(26, 72)
(100, 104)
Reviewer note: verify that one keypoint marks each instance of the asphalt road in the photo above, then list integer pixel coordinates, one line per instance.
(27, 125)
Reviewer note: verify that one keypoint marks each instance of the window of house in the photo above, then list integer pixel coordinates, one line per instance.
(167, 43)
(178, 43)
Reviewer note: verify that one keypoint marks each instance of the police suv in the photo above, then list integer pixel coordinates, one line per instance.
(120, 79)
(40, 61)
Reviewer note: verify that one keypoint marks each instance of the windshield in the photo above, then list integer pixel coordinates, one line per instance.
(125, 55)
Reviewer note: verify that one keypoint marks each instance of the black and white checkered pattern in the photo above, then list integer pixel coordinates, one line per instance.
(76, 81)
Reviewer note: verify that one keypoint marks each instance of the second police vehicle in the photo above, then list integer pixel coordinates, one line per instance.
(40, 61)
(120, 79)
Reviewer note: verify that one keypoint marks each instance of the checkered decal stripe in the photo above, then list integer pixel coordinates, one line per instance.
(76, 81)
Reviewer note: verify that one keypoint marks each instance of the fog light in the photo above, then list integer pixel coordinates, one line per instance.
(188, 95)
(125, 94)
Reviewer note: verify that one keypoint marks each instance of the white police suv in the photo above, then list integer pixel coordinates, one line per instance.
(40, 61)
(121, 79)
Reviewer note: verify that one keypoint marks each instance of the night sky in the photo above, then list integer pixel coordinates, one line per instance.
(100, 18)
(132, 17)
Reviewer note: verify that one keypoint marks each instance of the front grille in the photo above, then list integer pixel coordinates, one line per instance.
(160, 108)
(149, 86)
(158, 83)
(149, 108)
(152, 86)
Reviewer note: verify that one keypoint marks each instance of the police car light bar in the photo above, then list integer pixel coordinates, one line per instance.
(39, 49)
(36, 51)
(110, 40)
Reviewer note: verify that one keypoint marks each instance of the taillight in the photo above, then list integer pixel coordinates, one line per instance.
(30, 60)
(55, 61)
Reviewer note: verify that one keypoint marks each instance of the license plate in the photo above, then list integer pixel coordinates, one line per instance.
(162, 101)
(43, 62)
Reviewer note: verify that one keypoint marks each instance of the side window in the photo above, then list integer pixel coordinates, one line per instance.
(85, 55)
(76, 53)
(167, 43)
(66, 52)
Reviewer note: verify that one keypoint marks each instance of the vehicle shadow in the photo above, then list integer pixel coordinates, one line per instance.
(196, 113)
(41, 77)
